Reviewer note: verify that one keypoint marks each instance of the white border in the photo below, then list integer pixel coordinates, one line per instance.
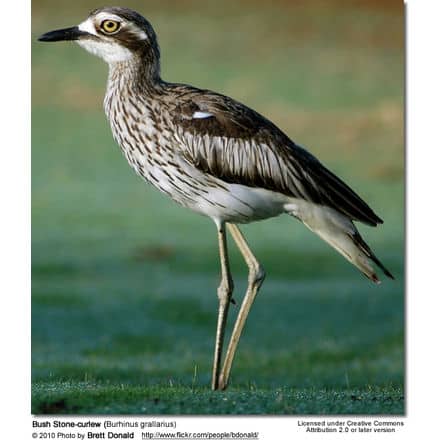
(423, 216)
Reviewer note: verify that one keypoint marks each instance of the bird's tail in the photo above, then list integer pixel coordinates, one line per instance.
(340, 233)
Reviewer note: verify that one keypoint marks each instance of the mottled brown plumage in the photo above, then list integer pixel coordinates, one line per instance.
(217, 157)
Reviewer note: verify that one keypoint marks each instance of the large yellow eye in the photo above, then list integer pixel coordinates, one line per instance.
(110, 26)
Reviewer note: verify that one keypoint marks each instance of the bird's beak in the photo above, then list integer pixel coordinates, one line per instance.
(68, 34)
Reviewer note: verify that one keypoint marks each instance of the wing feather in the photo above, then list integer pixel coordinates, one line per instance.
(238, 145)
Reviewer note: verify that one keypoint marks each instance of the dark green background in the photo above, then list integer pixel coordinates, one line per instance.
(124, 281)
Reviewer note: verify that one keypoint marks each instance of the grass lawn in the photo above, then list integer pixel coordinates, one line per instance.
(124, 281)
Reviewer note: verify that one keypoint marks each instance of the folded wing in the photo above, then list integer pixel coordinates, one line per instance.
(237, 145)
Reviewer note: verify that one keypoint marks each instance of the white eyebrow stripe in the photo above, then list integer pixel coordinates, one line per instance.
(202, 115)
(87, 26)
(106, 16)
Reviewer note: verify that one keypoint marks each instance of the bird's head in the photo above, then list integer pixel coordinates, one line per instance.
(114, 34)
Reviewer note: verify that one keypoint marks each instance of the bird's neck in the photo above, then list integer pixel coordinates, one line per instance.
(131, 81)
(140, 75)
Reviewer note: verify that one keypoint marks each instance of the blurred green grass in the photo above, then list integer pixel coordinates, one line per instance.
(124, 281)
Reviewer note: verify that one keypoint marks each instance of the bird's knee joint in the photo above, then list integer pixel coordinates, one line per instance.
(257, 275)
(224, 291)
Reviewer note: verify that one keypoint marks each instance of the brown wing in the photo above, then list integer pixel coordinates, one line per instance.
(237, 145)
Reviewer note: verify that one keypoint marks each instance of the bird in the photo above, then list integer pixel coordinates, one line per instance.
(217, 157)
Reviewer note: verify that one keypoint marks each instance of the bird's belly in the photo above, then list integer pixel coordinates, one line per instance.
(208, 196)
(238, 203)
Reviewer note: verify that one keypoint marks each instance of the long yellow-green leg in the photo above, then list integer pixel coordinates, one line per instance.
(224, 292)
(255, 280)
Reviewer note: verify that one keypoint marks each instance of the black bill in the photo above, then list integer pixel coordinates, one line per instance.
(72, 33)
